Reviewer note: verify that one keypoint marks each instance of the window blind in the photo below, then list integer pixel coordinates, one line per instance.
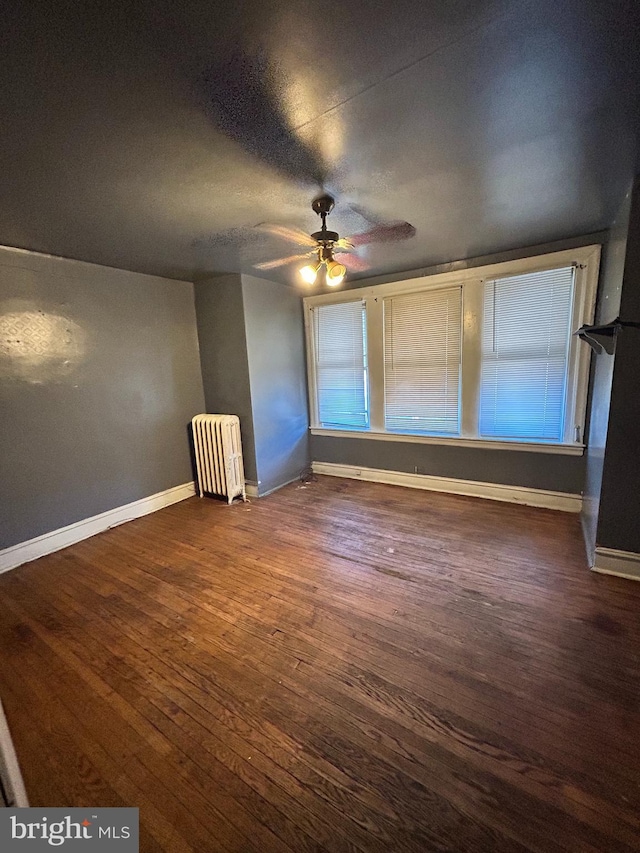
(422, 356)
(341, 364)
(525, 344)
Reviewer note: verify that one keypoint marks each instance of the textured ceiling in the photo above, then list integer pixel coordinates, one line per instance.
(155, 136)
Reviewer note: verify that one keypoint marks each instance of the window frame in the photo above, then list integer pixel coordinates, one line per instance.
(585, 259)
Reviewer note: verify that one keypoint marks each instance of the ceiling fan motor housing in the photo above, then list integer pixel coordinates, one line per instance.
(326, 236)
(323, 205)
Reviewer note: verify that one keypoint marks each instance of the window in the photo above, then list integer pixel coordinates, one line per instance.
(525, 350)
(482, 356)
(341, 364)
(422, 357)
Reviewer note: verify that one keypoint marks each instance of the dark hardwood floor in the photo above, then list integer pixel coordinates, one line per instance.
(341, 666)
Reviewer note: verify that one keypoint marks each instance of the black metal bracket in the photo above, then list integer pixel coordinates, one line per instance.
(603, 338)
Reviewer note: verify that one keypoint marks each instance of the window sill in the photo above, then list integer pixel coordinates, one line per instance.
(479, 443)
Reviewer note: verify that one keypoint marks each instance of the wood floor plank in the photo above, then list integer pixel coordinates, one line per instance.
(340, 666)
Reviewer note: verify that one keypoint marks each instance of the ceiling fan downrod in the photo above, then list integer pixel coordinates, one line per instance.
(323, 205)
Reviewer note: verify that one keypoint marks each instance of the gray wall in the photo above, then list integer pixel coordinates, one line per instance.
(253, 365)
(509, 467)
(99, 377)
(223, 356)
(276, 354)
(619, 517)
(554, 472)
(608, 308)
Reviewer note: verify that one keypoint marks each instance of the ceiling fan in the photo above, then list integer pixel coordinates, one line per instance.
(329, 249)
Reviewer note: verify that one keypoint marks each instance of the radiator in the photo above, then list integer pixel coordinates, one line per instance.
(218, 452)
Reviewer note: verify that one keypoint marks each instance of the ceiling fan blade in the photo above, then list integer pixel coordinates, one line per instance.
(371, 217)
(295, 235)
(384, 234)
(279, 262)
(352, 262)
(344, 243)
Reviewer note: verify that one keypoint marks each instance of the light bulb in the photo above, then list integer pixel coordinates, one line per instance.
(335, 273)
(309, 273)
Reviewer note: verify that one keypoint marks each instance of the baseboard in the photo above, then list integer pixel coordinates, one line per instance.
(254, 490)
(491, 491)
(623, 564)
(269, 490)
(24, 552)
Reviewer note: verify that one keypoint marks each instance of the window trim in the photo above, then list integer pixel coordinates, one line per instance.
(586, 260)
(576, 449)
